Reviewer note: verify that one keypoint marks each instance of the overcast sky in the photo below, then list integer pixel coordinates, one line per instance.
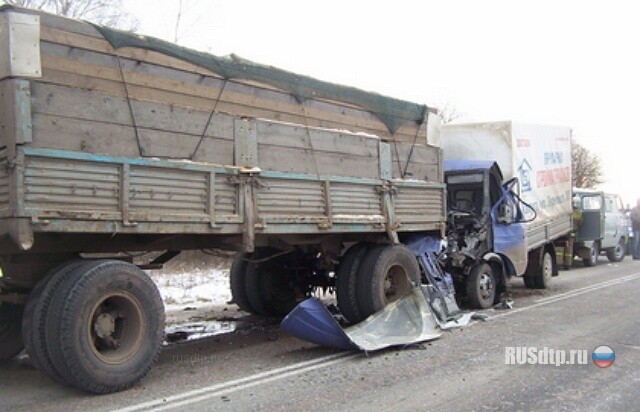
(571, 63)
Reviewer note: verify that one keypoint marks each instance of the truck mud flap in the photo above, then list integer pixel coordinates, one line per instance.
(403, 322)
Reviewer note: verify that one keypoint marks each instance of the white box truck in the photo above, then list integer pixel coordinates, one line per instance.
(509, 203)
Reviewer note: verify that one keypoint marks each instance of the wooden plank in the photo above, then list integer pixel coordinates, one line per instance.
(217, 151)
(236, 98)
(431, 173)
(83, 136)
(54, 35)
(78, 132)
(322, 140)
(304, 161)
(190, 83)
(415, 153)
(84, 105)
(67, 24)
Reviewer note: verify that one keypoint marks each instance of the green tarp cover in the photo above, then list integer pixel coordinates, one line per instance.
(392, 112)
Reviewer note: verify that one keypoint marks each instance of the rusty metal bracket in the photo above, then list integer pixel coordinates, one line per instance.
(388, 193)
(249, 182)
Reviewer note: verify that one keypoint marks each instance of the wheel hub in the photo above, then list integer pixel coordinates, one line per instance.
(486, 286)
(396, 282)
(116, 328)
(105, 325)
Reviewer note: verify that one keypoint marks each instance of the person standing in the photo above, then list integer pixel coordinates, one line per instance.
(635, 224)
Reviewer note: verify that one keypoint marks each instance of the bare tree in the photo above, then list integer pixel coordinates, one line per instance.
(586, 167)
(183, 24)
(105, 12)
(449, 113)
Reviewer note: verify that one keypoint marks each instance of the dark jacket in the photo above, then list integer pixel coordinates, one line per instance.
(635, 218)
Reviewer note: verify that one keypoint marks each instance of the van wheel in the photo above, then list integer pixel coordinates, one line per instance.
(481, 287)
(385, 275)
(10, 331)
(346, 282)
(617, 253)
(105, 326)
(594, 252)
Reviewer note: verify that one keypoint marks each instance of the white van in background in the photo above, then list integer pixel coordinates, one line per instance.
(601, 226)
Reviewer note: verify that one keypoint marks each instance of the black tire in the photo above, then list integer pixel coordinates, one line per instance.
(594, 252)
(34, 321)
(346, 282)
(481, 287)
(106, 333)
(618, 252)
(528, 281)
(269, 286)
(542, 276)
(10, 331)
(237, 282)
(386, 273)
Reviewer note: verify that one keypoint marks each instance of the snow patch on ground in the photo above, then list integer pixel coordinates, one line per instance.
(183, 290)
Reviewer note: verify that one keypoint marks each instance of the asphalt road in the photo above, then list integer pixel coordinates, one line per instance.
(260, 368)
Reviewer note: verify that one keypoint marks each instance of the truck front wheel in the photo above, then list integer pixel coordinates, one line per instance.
(481, 287)
(10, 334)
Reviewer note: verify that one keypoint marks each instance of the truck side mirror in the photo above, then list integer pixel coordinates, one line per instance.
(505, 214)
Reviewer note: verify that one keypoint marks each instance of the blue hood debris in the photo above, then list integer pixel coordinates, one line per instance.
(418, 316)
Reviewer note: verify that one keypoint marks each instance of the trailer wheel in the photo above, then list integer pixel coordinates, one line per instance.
(35, 316)
(481, 286)
(346, 282)
(385, 274)
(617, 253)
(237, 282)
(105, 326)
(10, 335)
(594, 252)
(270, 288)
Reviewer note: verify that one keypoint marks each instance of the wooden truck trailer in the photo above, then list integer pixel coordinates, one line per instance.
(112, 143)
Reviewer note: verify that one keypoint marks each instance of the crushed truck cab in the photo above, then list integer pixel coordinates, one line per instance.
(486, 232)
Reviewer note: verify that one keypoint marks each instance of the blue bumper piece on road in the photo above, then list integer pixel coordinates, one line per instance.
(312, 321)
(403, 322)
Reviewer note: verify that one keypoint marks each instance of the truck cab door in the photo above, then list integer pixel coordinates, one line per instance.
(592, 221)
(509, 229)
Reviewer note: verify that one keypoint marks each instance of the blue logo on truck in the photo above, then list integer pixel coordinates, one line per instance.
(524, 173)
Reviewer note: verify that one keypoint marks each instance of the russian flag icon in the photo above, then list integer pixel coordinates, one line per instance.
(603, 356)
